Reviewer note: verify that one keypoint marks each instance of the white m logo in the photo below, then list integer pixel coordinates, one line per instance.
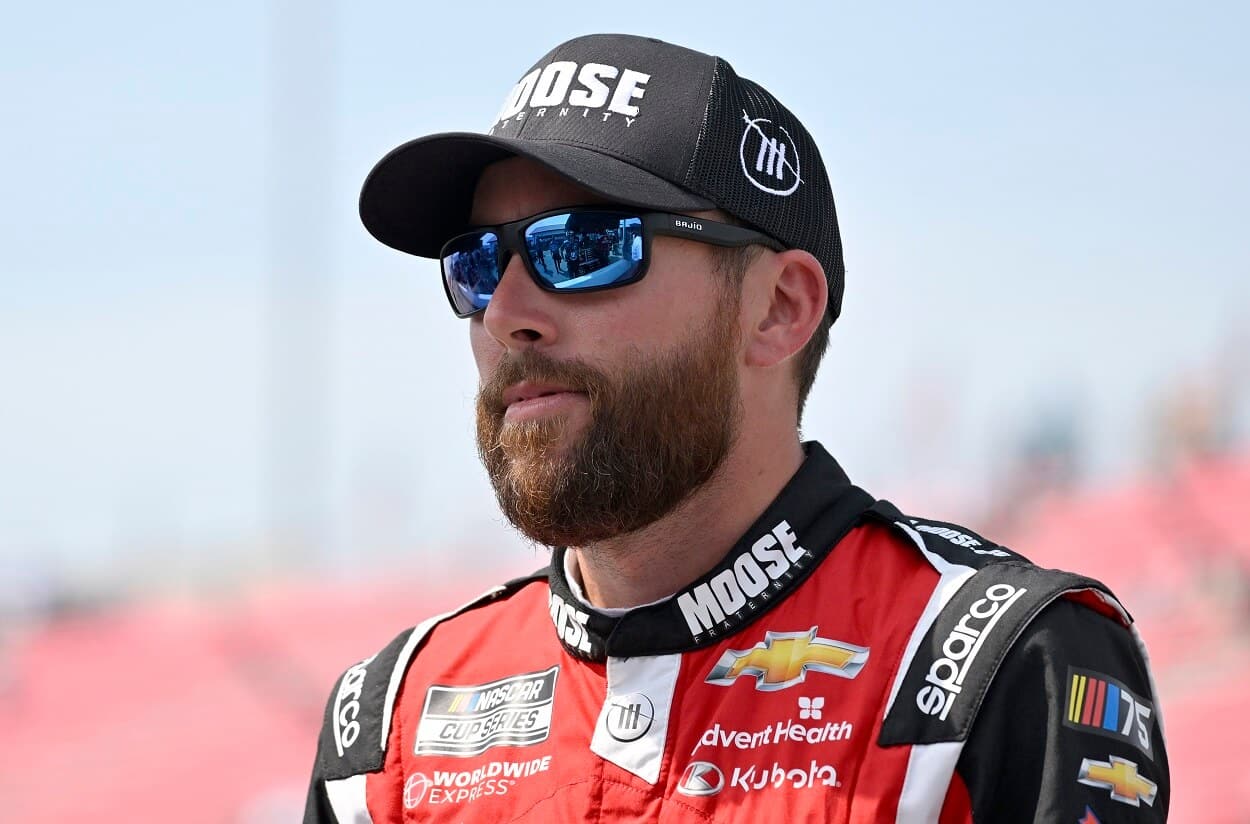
(775, 153)
(773, 171)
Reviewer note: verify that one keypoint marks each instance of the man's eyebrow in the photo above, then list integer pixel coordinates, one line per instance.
(594, 200)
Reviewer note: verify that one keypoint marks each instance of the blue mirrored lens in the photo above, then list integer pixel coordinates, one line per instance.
(586, 250)
(471, 270)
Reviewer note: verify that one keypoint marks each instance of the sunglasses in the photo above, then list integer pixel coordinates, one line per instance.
(578, 249)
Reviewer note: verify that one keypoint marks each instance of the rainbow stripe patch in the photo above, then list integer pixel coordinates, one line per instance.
(1100, 704)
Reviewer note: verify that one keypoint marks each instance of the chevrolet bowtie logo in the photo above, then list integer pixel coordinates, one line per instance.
(784, 658)
(1119, 776)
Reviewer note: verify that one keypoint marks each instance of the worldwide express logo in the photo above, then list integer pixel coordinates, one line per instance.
(467, 786)
(469, 720)
(783, 659)
(1099, 704)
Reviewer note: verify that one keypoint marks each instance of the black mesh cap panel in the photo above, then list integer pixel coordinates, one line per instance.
(756, 161)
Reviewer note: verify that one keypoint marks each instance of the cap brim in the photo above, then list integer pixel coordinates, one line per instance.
(420, 194)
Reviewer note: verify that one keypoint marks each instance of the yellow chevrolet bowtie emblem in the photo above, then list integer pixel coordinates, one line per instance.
(784, 659)
(1119, 776)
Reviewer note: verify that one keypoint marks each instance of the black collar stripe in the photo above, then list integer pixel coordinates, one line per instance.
(811, 514)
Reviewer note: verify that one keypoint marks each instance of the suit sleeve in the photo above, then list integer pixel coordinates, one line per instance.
(1070, 729)
(317, 808)
(356, 775)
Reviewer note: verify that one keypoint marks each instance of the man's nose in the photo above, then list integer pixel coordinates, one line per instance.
(519, 313)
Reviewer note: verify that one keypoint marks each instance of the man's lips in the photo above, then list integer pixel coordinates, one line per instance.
(528, 390)
(526, 399)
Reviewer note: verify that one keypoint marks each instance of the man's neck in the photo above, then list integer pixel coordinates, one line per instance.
(659, 559)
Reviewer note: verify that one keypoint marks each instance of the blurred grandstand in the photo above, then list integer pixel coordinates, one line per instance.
(211, 707)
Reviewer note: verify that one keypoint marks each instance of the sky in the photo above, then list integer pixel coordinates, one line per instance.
(1042, 208)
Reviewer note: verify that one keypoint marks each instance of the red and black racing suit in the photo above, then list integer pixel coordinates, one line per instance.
(842, 663)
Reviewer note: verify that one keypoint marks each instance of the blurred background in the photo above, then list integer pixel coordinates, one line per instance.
(236, 433)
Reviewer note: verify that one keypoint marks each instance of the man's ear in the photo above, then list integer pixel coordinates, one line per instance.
(784, 296)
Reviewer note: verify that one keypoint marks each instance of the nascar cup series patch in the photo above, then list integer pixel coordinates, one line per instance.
(468, 720)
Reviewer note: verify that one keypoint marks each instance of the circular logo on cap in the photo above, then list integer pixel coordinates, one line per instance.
(770, 158)
(629, 716)
(701, 778)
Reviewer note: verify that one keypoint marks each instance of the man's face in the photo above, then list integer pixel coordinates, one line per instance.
(599, 413)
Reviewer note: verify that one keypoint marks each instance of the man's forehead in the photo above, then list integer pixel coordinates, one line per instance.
(517, 187)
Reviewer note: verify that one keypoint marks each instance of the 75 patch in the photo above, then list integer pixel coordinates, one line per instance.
(1100, 704)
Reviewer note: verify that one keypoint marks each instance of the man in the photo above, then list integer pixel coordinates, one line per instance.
(573, 254)
(555, 254)
(728, 630)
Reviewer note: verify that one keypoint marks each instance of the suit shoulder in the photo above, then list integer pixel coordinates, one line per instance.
(986, 599)
(357, 719)
(942, 542)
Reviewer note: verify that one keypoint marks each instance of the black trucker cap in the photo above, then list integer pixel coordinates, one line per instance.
(636, 120)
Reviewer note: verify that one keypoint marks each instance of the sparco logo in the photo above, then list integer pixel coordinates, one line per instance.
(566, 90)
(570, 623)
(946, 675)
(770, 561)
(770, 159)
(347, 706)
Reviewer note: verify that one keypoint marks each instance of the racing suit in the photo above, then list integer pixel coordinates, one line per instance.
(842, 663)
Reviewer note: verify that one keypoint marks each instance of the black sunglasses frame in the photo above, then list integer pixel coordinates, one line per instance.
(512, 241)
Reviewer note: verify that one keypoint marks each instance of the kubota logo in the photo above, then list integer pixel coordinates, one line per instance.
(784, 659)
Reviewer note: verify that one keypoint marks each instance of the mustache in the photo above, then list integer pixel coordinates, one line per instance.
(537, 367)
